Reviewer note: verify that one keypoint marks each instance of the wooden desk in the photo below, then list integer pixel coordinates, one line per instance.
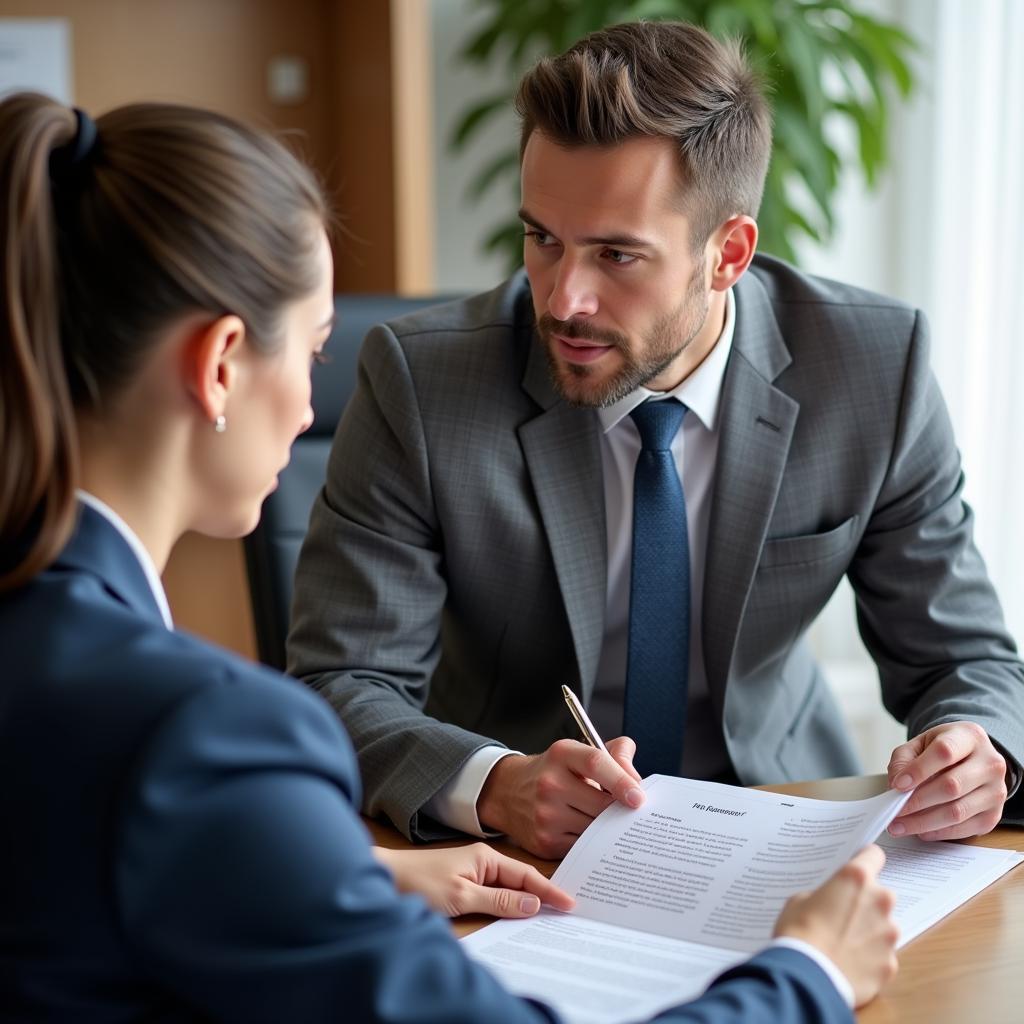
(969, 967)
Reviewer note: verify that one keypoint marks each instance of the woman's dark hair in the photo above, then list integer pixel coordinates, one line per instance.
(106, 241)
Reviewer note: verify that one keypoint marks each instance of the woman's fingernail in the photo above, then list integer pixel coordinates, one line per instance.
(904, 782)
(896, 829)
(529, 904)
(634, 797)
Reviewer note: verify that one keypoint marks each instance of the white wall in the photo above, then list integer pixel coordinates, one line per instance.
(461, 227)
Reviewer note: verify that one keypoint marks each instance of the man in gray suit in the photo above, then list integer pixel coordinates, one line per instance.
(478, 539)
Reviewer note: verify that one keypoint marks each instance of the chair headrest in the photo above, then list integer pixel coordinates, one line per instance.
(335, 380)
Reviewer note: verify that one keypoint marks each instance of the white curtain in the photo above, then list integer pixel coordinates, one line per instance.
(962, 255)
(946, 233)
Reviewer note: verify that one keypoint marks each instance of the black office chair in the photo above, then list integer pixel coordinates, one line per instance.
(272, 549)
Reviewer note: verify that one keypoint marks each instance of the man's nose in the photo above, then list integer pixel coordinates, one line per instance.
(573, 293)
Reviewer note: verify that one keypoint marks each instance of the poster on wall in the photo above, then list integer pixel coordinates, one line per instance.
(35, 54)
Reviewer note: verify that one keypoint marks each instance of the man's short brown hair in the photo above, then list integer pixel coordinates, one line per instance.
(661, 79)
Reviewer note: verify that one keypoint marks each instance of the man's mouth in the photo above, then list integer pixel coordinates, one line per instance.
(580, 350)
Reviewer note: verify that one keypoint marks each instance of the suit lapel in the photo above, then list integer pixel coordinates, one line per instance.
(562, 450)
(756, 429)
(97, 548)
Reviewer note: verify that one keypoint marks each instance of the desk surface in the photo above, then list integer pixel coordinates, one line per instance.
(968, 967)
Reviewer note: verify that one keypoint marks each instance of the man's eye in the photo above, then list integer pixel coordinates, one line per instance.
(541, 238)
(618, 256)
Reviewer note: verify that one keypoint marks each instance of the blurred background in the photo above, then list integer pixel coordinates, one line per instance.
(900, 168)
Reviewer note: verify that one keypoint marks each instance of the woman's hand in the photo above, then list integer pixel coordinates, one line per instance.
(472, 880)
(849, 919)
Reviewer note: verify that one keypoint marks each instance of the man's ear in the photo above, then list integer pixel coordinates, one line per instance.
(732, 248)
(211, 362)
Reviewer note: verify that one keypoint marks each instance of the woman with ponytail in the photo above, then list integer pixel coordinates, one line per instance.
(180, 830)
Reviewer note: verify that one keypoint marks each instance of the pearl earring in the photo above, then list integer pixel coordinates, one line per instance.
(220, 424)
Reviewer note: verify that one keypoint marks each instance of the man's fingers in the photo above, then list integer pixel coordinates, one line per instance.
(973, 814)
(585, 797)
(979, 825)
(556, 826)
(574, 822)
(957, 783)
(960, 784)
(544, 802)
(623, 749)
(590, 763)
(943, 747)
(904, 755)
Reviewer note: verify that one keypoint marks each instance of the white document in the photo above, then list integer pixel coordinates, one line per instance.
(670, 895)
(932, 879)
(594, 973)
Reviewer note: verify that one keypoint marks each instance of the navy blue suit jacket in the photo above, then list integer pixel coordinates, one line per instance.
(181, 840)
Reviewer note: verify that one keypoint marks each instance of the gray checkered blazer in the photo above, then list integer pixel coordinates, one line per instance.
(454, 571)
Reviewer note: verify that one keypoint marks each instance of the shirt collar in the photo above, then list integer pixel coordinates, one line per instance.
(138, 549)
(701, 392)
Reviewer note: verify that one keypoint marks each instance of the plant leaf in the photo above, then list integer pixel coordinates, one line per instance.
(800, 53)
(726, 22)
(654, 10)
(773, 235)
(887, 43)
(809, 153)
(863, 57)
(870, 136)
(474, 117)
(759, 15)
(507, 239)
(479, 47)
(491, 172)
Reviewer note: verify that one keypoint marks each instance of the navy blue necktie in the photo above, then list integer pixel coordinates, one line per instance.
(659, 596)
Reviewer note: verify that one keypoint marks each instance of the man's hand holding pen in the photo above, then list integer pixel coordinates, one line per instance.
(545, 801)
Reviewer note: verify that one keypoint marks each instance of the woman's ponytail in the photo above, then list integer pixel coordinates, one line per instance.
(110, 233)
(38, 444)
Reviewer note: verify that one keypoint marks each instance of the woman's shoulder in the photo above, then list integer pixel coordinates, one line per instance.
(237, 715)
(220, 702)
(83, 663)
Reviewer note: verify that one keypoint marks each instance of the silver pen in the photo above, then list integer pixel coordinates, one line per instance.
(586, 726)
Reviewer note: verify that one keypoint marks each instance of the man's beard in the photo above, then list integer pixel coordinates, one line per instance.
(581, 385)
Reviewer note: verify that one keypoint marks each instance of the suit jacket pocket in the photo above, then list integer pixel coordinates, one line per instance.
(811, 547)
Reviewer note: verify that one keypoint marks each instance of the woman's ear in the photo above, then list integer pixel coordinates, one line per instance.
(211, 363)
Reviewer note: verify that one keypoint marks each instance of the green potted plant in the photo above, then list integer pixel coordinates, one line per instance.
(825, 62)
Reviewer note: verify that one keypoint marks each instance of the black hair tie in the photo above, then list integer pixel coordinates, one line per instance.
(67, 161)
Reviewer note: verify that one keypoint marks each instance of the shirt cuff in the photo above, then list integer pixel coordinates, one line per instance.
(836, 976)
(454, 804)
